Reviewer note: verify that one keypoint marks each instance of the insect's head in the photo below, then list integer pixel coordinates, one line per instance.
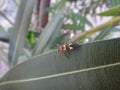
(62, 48)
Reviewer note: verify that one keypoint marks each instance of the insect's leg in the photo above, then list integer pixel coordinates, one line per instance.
(67, 54)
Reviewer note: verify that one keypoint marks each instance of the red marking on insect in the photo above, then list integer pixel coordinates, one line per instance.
(66, 48)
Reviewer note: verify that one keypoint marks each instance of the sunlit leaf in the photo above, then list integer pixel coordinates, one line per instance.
(114, 11)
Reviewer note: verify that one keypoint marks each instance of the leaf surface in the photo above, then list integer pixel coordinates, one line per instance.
(93, 66)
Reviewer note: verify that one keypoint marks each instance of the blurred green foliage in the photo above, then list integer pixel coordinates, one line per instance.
(63, 23)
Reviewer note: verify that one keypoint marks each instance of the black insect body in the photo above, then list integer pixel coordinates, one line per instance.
(66, 48)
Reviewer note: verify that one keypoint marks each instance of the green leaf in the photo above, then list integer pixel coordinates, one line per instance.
(114, 11)
(59, 40)
(93, 66)
(50, 9)
(15, 31)
(20, 30)
(83, 19)
(82, 26)
(104, 33)
(54, 35)
(57, 6)
(49, 33)
(78, 16)
(71, 27)
(60, 4)
(114, 2)
(71, 16)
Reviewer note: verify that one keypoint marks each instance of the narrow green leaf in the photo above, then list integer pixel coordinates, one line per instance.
(47, 33)
(78, 16)
(82, 24)
(54, 35)
(83, 19)
(15, 31)
(22, 30)
(60, 4)
(114, 11)
(114, 2)
(71, 27)
(70, 16)
(55, 7)
(61, 38)
(93, 66)
(104, 33)
(50, 9)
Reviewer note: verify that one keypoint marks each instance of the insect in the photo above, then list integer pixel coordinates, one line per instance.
(66, 48)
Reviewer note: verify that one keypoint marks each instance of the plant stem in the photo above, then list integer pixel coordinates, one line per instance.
(111, 22)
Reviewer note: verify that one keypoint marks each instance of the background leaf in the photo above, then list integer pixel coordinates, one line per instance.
(47, 33)
(78, 16)
(114, 2)
(15, 31)
(21, 28)
(104, 33)
(114, 11)
(71, 27)
(4, 36)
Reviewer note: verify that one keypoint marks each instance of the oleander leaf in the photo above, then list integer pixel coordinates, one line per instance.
(93, 66)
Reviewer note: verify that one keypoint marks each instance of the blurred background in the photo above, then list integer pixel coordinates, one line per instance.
(79, 17)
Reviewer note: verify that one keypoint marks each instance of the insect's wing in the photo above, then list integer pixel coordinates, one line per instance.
(75, 46)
